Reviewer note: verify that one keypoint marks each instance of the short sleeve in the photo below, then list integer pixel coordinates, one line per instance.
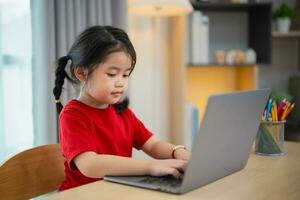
(140, 133)
(75, 135)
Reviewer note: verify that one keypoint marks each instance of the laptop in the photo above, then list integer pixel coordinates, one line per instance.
(221, 147)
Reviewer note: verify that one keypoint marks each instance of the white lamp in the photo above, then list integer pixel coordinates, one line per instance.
(166, 8)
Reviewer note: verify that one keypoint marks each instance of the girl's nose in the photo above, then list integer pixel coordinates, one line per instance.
(119, 83)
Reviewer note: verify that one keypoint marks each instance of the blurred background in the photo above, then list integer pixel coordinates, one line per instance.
(186, 51)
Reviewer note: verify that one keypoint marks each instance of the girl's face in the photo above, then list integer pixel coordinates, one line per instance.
(109, 81)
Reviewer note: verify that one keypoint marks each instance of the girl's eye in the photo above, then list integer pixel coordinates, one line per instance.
(111, 75)
(125, 75)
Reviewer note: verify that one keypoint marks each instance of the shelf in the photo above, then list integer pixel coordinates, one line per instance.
(220, 65)
(202, 82)
(290, 34)
(259, 23)
(226, 6)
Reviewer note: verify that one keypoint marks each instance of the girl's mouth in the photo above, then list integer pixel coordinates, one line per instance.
(116, 93)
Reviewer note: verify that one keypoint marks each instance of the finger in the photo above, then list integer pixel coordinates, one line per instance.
(178, 162)
(181, 176)
(180, 165)
(183, 167)
(174, 172)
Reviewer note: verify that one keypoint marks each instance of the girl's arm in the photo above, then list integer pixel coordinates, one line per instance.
(163, 150)
(95, 165)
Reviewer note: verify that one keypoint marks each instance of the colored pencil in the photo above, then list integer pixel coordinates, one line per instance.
(275, 111)
(285, 109)
(268, 109)
(280, 107)
(288, 111)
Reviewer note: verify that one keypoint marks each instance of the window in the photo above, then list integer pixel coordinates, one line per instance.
(16, 120)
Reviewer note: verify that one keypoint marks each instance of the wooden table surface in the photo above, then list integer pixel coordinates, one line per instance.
(262, 178)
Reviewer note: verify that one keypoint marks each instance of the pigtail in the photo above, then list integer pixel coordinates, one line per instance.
(120, 107)
(60, 75)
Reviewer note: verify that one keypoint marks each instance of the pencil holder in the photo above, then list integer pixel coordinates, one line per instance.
(270, 139)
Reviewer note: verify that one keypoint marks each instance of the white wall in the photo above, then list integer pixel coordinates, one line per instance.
(157, 84)
(148, 88)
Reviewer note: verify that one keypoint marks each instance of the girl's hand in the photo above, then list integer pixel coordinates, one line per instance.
(182, 154)
(167, 167)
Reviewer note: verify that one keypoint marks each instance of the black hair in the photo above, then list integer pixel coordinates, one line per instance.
(90, 48)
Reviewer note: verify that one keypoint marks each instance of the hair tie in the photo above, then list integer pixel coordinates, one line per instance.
(68, 57)
(57, 101)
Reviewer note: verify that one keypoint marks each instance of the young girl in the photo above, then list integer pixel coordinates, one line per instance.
(97, 130)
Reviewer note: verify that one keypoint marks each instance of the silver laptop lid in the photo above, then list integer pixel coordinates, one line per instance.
(225, 137)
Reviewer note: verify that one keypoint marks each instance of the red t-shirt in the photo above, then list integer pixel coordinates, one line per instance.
(104, 131)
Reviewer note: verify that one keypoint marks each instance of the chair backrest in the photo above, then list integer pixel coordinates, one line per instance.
(32, 173)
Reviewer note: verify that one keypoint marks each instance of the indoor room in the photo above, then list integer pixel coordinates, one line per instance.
(150, 98)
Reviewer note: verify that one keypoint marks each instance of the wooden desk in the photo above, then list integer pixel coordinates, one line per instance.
(262, 178)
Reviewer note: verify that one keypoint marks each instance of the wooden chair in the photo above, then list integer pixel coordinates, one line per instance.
(32, 173)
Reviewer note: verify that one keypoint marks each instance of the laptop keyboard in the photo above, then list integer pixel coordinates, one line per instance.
(162, 180)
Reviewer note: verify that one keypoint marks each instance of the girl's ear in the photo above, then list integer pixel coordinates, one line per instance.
(80, 74)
